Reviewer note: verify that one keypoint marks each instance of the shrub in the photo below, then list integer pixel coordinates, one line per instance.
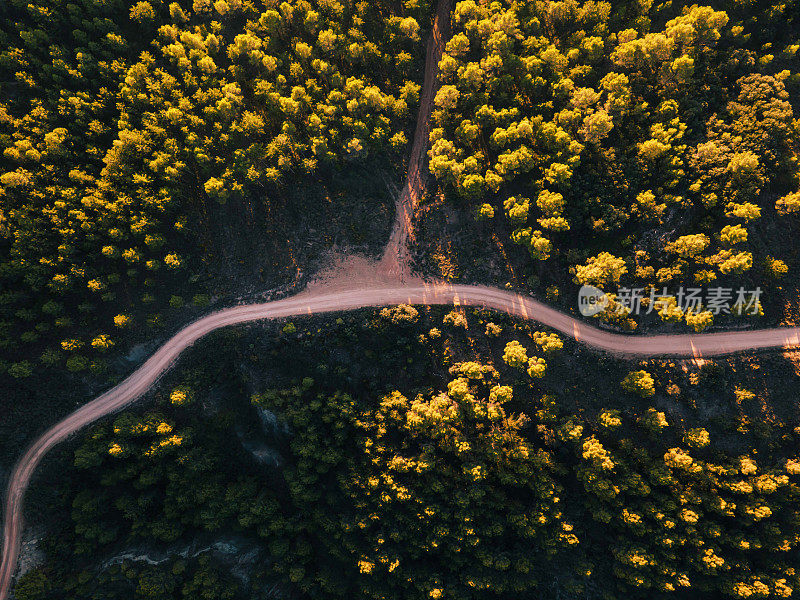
(639, 382)
(20, 370)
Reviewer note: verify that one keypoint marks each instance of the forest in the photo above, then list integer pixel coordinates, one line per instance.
(128, 144)
(458, 461)
(163, 159)
(640, 144)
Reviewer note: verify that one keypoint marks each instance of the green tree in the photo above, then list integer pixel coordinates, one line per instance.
(639, 382)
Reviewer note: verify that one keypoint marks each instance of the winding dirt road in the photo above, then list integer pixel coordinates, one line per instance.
(324, 300)
(389, 283)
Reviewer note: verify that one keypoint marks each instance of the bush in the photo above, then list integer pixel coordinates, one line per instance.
(201, 300)
(77, 363)
(639, 382)
(402, 314)
(21, 370)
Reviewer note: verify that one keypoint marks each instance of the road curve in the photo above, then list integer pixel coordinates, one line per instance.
(324, 300)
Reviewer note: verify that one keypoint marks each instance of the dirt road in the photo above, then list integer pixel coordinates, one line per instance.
(390, 283)
(394, 261)
(324, 300)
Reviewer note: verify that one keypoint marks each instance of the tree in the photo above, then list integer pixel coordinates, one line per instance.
(697, 438)
(536, 367)
(181, 396)
(788, 204)
(142, 12)
(20, 370)
(549, 342)
(602, 270)
(776, 268)
(688, 246)
(102, 342)
(402, 314)
(493, 329)
(732, 235)
(515, 355)
(33, 585)
(639, 382)
(699, 320)
(455, 318)
(485, 212)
